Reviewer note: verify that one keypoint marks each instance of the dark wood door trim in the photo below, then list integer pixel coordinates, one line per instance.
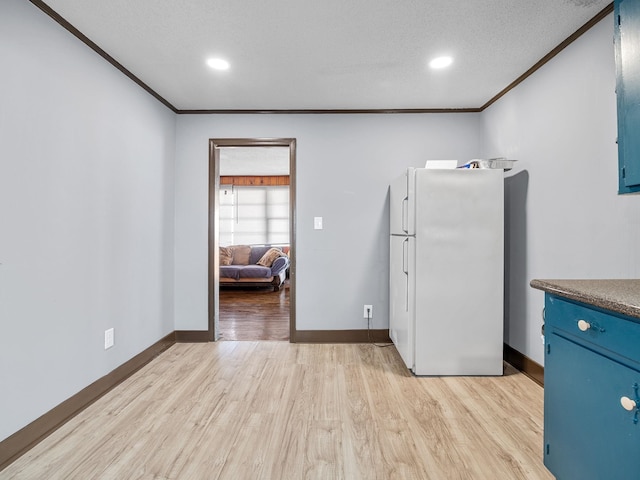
(214, 185)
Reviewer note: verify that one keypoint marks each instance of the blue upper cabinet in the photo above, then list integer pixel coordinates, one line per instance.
(627, 44)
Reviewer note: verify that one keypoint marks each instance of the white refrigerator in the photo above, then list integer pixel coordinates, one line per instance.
(446, 271)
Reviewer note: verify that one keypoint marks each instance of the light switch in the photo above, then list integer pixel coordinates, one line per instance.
(317, 223)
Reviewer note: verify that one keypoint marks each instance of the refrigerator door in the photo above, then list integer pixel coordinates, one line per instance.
(401, 296)
(459, 272)
(401, 204)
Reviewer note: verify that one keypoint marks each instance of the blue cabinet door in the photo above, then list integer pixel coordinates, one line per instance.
(627, 41)
(587, 432)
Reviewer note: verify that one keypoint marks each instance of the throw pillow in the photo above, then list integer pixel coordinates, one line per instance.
(269, 257)
(241, 254)
(226, 256)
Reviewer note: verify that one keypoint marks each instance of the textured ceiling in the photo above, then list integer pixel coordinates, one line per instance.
(329, 54)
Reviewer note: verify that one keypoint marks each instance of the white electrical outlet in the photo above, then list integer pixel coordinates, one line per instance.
(108, 338)
(368, 311)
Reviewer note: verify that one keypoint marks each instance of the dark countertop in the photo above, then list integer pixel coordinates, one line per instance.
(621, 296)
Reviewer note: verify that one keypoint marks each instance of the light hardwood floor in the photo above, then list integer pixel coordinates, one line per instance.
(274, 410)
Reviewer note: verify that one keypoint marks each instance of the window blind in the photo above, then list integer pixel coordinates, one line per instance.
(254, 215)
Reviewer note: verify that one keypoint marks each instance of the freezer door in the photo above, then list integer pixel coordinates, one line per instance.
(401, 211)
(401, 297)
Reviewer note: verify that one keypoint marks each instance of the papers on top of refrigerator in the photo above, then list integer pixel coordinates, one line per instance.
(441, 164)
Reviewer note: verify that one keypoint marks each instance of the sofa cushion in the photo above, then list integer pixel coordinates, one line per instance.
(237, 272)
(257, 252)
(226, 256)
(241, 254)
(269, 256)
(255, 271)
(230, 271)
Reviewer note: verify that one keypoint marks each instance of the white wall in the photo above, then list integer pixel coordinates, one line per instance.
(86, 216)
(344, 166)
(564, 217)
(87, 193)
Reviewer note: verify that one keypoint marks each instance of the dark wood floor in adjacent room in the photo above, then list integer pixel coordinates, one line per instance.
(254, 314)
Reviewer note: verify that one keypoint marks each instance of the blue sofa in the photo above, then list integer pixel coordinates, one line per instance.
(243, 268)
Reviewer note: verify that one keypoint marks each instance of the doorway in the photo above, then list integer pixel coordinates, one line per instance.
(218, 148)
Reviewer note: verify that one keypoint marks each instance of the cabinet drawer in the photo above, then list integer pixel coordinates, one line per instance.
(591, 327)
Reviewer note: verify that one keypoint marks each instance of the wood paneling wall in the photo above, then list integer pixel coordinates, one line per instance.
(249, 180)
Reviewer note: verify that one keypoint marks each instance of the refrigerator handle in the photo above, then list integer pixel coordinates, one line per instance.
(405, 214)
(405, 251)
(405, 254)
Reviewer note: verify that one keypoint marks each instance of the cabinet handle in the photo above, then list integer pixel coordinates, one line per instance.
(583, 325)
(628, 404)
(632, 405)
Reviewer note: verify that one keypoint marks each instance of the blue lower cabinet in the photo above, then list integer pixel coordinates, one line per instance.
(591, 393)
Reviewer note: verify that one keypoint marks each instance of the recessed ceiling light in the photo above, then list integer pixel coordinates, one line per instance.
(218, 64)
(441, 62)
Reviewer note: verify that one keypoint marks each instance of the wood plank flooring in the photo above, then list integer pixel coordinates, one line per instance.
(254, 313)
(275, 410)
